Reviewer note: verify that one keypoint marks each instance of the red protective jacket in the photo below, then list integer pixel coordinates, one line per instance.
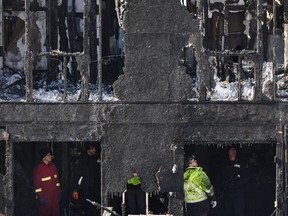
(47, 188)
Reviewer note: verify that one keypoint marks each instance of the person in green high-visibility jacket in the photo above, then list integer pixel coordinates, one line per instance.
(135, 196)
(198, 190)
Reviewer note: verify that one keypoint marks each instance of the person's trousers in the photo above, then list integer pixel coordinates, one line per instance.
(234, 203)
(88, 208)
(135, 201)
(198, 209)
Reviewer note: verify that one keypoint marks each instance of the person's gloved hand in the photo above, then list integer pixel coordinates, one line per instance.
(75, 195)
(213, 203)
(41, 201)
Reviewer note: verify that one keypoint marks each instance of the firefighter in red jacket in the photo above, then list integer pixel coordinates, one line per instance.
(46, 185)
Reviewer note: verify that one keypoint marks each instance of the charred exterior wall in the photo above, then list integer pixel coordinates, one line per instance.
(138, 136)
(155, 33)
(153, 113)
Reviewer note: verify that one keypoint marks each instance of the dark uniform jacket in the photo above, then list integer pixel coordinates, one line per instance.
(86, 177)
(234, 176)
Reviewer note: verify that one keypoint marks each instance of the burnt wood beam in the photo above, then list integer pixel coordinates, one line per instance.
(279, 179)
(259, 49)
(285, 15)
(72, 42)
(100, 50)
(285, 11)
(63, 40)
(85, 56)
(93, 41)
(28, 56)
(52, 37)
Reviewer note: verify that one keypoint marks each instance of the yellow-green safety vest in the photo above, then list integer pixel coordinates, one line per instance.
(197, 185)
(134, 181)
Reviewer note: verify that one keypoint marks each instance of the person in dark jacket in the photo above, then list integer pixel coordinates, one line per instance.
(135, 195)
(234, 179)
(86, 180)
(46, 185)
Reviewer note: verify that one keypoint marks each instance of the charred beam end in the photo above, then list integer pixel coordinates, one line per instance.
(225, 53)
(285, 12)
(27, 65)
(3, 134)
(57, 53)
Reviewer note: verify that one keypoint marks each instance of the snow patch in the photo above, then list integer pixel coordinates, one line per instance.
(13, 89)
(223, 91)
(229, 91)
(267, 80)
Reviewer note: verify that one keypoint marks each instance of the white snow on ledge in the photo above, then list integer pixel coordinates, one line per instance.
(13, 90)
(41, 95)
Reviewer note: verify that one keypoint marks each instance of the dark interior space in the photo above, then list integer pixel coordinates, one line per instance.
(2, 157)
(157, 203)
(26, 157)
(259, 190)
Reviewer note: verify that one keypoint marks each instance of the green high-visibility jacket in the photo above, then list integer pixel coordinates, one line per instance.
(134, 181)
(197, 185)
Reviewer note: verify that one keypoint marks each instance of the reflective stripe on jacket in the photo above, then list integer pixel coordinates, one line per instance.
(196, 185)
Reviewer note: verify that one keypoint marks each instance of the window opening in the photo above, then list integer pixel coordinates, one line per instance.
(229, 25)
(191, 6)
(189, 61)
(234, 77)
(56, 75)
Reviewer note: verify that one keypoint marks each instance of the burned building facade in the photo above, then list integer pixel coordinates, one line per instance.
(150, 82)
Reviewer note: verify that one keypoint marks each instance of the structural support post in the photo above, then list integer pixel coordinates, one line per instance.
(225, 37)
(279, 179)
(27, 58)
(1, 37)
(259, 48)
(274, 48)
(285, 11)
(99, 22)
(65, 77)
(84, 69)
(65, 172)
(8, 178)
(285, 161)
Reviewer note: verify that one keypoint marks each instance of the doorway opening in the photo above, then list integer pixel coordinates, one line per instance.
(157, 203)
(26, 157)
(259, 188)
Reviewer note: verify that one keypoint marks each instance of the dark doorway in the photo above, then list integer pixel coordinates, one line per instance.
(26, 157)
(2, 157)
(259, 192)
(157, 203)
